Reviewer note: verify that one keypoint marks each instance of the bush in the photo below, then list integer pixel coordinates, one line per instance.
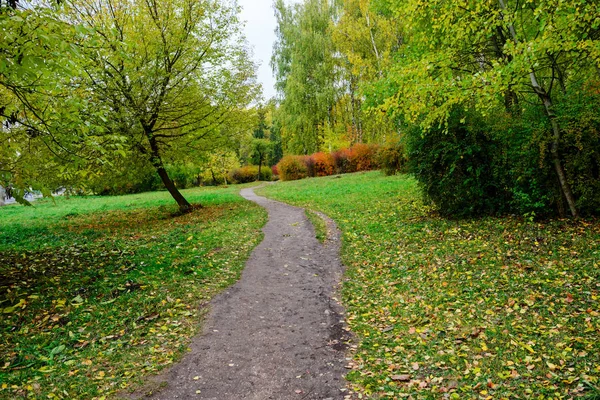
(249, 173)
(341, 161)
(461, 170)
(291, 168)
(324, 164)
(309, 162)
(362, 157)
(210, 177)
(125, 176)
(392, 158)
(580, 148)
(183, 176)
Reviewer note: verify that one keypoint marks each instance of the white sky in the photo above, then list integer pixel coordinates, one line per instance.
(260, 32)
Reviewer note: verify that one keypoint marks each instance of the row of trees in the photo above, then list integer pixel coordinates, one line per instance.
(322, 55)
(497, 101)
(89, 88)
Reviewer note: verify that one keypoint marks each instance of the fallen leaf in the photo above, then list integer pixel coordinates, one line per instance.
(400, 378)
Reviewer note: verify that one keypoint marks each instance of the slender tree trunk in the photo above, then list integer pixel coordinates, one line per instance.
(259, 165)
(549, 109)
(184, 205)
(560, 172)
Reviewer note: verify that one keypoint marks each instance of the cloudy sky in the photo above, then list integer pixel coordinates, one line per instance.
(260, 32)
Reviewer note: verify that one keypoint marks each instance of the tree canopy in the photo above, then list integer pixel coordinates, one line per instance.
(518, 77)
(106, 78)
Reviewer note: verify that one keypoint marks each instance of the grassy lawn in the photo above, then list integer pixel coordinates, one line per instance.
(97, 292)
(493, 308)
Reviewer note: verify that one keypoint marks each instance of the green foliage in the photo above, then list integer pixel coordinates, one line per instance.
(319, 225)
(51, 133)
(217, 167)
(129, 175)
(459, 308)
(580, 120)
(261, 150)
(456, 166)
(184, 175)
(89, 83)
(97, 293)
(392, 158)
(249, 173)
(291, 168)
(498, 58)
(304, 68)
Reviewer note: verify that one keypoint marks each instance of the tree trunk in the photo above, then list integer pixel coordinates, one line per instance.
(549, 109)
(184, 205)
(259, 166)
(560, 171)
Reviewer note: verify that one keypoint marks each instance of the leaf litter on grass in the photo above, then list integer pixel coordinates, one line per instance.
(97, 300)
(493, 308)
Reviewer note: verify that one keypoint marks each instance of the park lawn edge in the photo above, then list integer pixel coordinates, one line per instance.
(136, 311)
(495, 307)
(318, 224)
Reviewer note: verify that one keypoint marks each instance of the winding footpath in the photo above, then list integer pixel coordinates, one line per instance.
(278, 332)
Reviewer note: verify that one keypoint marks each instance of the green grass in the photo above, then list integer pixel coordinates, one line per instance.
(98, 292)
(319, 225)
(491, 308)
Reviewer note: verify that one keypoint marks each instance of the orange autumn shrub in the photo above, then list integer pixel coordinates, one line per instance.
(324, 164)
(363, 157)
(292, 168)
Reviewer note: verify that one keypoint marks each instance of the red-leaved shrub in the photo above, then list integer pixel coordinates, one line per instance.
(361, 157)
(291, 168)
(324, 164)
(341, 160)
(309, 161)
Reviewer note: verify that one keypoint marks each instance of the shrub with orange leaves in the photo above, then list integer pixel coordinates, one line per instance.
(324, 164)
(363, 157)
(291, 168)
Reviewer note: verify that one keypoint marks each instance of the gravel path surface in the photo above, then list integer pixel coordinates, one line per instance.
(278, 332)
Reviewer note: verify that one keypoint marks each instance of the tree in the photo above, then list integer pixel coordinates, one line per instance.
(219, 163)
(261, 148)
(303, 64)
(491, 55)
(49, 133)
(365, 39)
(171, 74)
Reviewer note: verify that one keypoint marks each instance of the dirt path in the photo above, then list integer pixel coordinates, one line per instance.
(277, 333)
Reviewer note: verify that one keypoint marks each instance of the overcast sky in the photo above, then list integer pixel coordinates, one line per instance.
(260, 32)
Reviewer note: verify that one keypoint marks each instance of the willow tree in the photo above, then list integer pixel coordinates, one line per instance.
(365, 38)
(304, 66)
(171, 73)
